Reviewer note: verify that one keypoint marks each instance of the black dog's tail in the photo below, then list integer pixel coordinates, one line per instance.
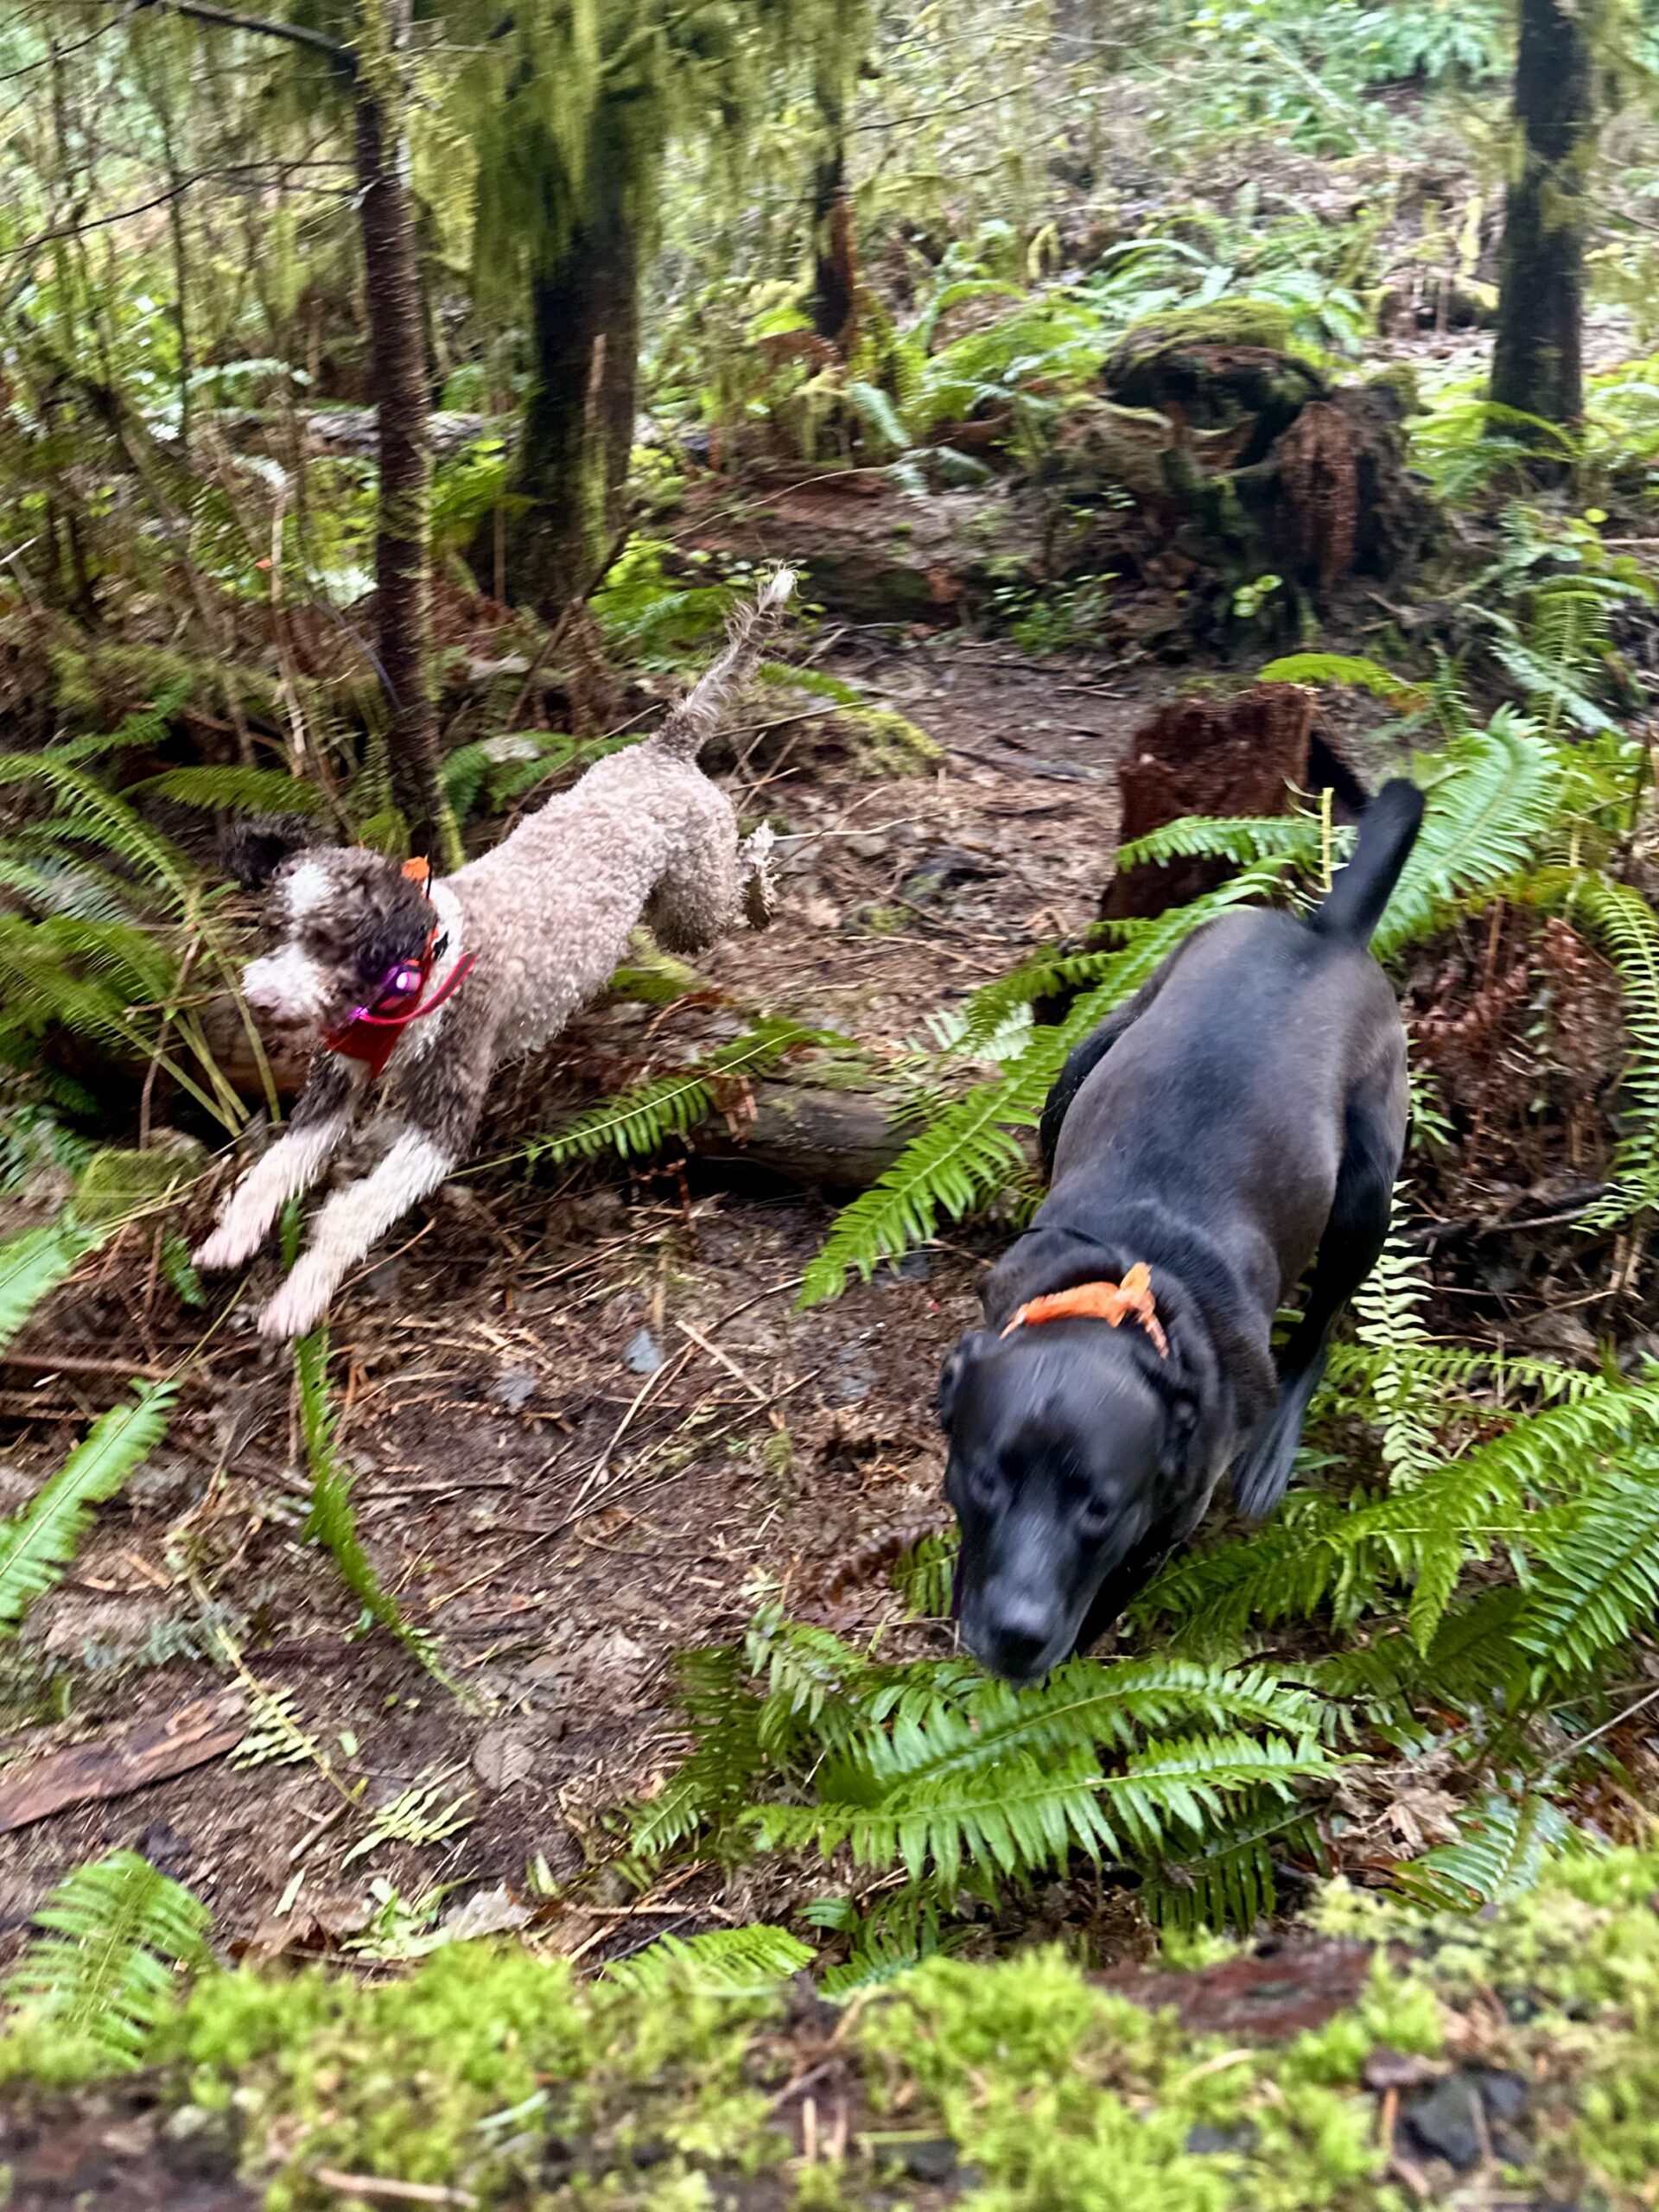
(1388, 830)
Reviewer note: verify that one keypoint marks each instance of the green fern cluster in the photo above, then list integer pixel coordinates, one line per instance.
(103, 905)
(959, 1785)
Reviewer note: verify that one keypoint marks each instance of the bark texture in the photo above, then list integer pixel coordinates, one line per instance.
(402, 533)
(1538, 354)
(578, 423)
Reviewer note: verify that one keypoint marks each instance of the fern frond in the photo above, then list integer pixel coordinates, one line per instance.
(924, 1575)
(897, 1933)
(717, 1779)
(1228, 1879)
(275, 1735)
(963, 1159)
(1597, 1577)
(1353, 668)
(1501, 1854)
(637, 1123)
(332, 1522)
(744, 1962)
(33, 1264)
(37, 1547)
(1389, 1322)
(232, 791)
(1626, 928)
(1247, 838)
(418, 1815)
(969, 1154)
(116, 1936)
(86, 810)
(1483, 824)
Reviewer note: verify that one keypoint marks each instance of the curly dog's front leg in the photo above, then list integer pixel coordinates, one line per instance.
(350, 1223)
(321, 1122)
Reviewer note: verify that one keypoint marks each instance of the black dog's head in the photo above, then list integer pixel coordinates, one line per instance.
(1063, 1448)
(338, 920)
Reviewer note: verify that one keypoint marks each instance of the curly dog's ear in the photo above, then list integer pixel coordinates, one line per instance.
(250, 851)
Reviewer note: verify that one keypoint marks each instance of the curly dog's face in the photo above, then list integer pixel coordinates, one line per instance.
(1056, 1447)
(337, 922)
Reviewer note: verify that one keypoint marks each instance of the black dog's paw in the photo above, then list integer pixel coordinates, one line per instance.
(1261, 1476)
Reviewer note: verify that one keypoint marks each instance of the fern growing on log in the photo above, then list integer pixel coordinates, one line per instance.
(638, 1121)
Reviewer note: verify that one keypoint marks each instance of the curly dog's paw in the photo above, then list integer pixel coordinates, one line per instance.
(226, 1248)
(296, 1308)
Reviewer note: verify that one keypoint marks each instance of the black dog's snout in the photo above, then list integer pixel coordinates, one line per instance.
(1012, 1635)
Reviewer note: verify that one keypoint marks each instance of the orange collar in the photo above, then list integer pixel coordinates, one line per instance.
(1099, 1301)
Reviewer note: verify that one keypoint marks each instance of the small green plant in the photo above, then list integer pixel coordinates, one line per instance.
(106, 1968)
(332, 1522)
(36, 1547)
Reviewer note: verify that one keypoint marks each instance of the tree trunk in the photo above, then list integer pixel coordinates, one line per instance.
(402, 529)
(1537, 358)
(578, 423)
(835, 264)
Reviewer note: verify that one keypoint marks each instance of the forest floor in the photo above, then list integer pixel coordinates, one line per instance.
(587, 1423)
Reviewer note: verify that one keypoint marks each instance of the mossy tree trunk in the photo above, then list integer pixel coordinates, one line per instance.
(403, 521)
(579, 422)
(835, 266)
(1538, 356)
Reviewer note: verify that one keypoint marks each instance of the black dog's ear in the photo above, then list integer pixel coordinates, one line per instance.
(1180, 1426)
(250, 851)
(968, 1350)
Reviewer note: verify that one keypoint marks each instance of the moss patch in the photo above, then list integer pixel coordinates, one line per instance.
(1015, 2087)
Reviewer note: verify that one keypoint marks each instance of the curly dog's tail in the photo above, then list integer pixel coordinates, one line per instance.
(695, 720)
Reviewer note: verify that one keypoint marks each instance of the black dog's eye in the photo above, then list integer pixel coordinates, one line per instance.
(985, 1486)
(1095, 1519)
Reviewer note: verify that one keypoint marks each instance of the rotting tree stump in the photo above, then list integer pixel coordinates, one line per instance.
(1230, 758)
(1261, 466)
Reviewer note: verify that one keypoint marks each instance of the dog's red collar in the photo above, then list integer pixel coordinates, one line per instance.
(1110, 1302)
(370, 1034)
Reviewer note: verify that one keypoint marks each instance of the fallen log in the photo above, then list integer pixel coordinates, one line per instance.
(834, 1139)
(129, 1759)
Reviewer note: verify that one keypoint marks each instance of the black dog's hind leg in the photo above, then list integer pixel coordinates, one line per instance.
(1348, 1251)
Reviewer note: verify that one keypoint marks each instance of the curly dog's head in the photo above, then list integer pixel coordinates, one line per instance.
(337, 922)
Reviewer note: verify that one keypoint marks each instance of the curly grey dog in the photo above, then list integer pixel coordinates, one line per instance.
(436, 984)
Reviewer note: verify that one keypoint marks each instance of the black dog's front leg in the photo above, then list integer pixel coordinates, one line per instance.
(1348, 1251)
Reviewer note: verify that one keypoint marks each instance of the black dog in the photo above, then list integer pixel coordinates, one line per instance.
(1242, 1115)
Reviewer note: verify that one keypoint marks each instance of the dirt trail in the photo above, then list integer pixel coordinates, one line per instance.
(588, 1422)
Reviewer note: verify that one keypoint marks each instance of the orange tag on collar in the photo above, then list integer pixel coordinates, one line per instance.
(418, 871)
(1110, 1302)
